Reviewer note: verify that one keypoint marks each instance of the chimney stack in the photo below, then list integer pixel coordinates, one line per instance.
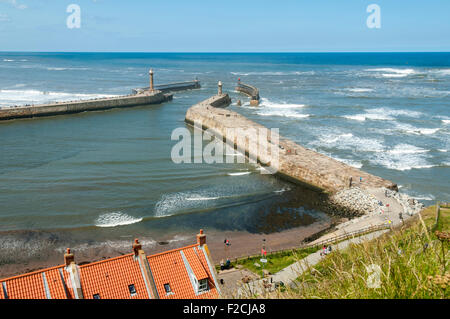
(201, 238)
(68, 257)
(136, 247)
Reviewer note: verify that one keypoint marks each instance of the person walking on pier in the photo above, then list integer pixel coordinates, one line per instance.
(350, 182)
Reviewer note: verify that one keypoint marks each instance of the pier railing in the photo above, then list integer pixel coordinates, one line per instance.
(335, 239)
(250, 90)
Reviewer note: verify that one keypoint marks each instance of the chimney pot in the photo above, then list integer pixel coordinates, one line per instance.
(68, 257)
(201, 238)
(136, 247)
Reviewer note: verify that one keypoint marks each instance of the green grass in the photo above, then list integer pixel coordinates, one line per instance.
(275, 262)
(406, 268)
(444, 220)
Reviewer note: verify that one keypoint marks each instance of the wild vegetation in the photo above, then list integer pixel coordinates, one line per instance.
(408, 262)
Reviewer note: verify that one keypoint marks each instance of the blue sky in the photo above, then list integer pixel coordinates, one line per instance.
(225, 26)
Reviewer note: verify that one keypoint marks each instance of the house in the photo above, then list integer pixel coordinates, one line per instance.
(183, 273)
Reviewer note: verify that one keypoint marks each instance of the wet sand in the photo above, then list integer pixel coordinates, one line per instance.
(242, 244)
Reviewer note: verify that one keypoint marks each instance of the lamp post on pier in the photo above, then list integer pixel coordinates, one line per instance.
(151, 80)
(220, 88)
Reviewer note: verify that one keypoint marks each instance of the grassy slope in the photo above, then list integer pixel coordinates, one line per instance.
(275, 262)
(405, 266)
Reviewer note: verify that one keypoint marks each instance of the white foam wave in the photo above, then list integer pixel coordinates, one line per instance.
(202, 198)
(349, 142)
(425, 197)
(383, 114)
(442, 72)
(21, 97)
(409, 129)
(283, 105)
(368, 116)
(289, 114)
(392, 72)
(401, 161)
(115, 219)
(238, 174)
(280, 191)
(350, 162)
(446, 121)
(282, 109)
(170, 204)
(359, 90)
(177, 238)
(407, 149)
(274, 73)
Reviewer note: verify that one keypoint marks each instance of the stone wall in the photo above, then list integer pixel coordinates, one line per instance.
(82, 106)
(249, 90)
(296, 163)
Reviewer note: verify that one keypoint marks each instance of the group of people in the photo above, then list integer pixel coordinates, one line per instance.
(325, 250)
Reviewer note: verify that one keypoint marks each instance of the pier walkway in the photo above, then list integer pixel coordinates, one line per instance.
(294, 162)
(249, 90)
(151, 95)
(171, 87)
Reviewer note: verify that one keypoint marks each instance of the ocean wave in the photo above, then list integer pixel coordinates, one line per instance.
(274, 73)
(289, 114)
(282, 105)
(359, 90)
(239, 173)
(66, 68)
(409, 129)
(280, 191)
(392, 72)
(350, 162)
(369, 116)
(116, 244)
(446, 121)
(171, 204)
(348, 141)
(116, 219)
(20, 97)
(407, 149)
(383, 114)
(424, 197)
(401, 161)
(282, 109)
(202, 198)
(443, 72)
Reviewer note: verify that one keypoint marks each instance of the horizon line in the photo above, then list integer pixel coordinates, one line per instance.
(222, 52)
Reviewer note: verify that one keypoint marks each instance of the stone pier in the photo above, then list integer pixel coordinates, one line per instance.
(250, 91)
(295, 162)
(60, 108)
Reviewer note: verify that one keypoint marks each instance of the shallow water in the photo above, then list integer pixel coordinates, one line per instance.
(102, 176)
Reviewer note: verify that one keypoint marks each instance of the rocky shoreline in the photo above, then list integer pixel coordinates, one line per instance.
(356, 203)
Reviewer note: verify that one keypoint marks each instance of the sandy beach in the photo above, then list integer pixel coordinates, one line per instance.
(242, 244)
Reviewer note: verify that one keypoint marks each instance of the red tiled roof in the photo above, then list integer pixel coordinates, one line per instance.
(110, 278)
(56, 284)
(28, 286)
(169, 268)
(195, 263)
